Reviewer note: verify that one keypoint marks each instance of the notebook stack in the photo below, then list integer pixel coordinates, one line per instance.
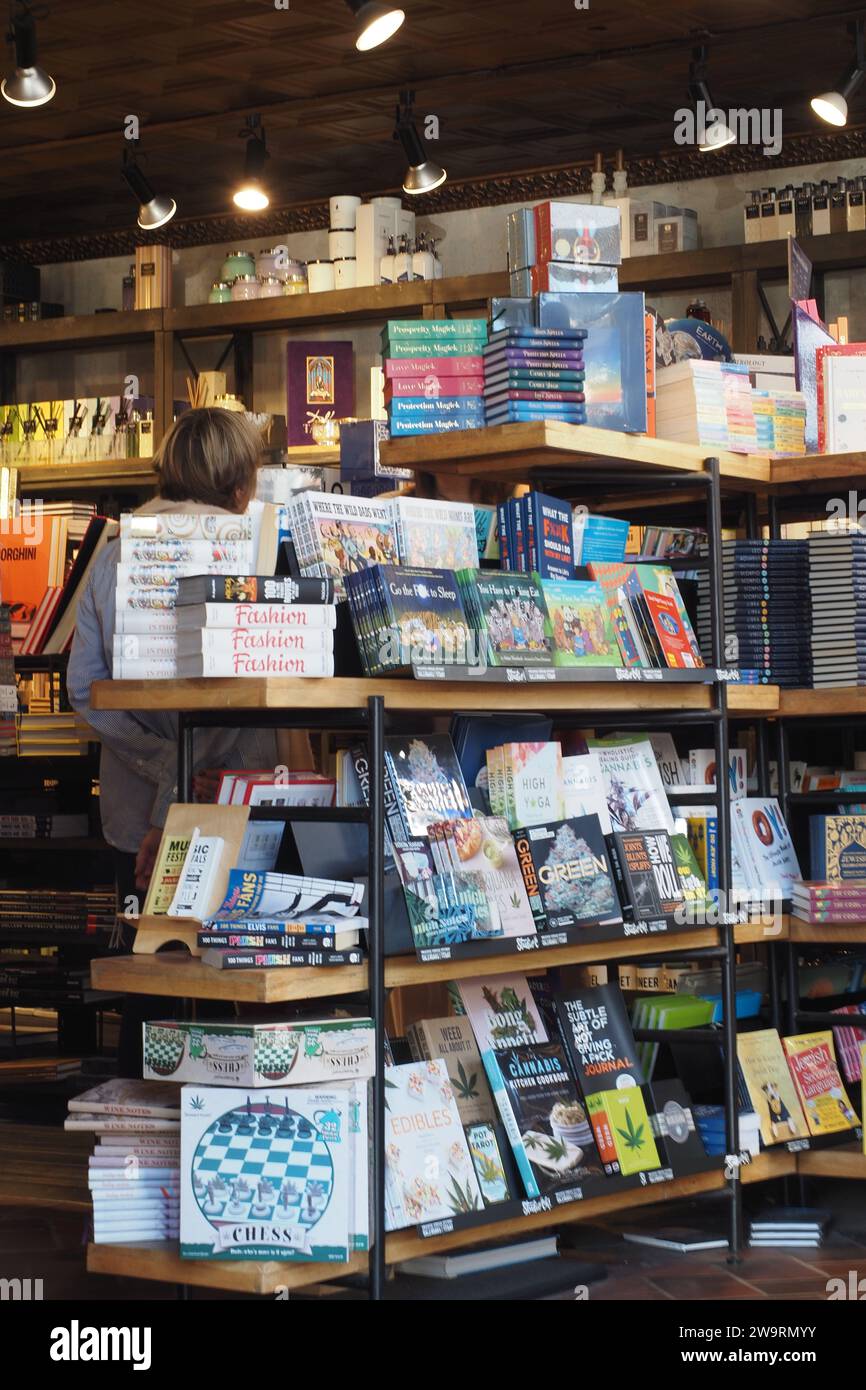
(709, 403)
(433, 374)
(134, 1169)
(767, 610)
(533, 373)
(818, 903)
(789, 1226)
(252, 625)
(837, 579)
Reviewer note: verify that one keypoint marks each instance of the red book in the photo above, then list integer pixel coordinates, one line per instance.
(431, 385)
(673, 638)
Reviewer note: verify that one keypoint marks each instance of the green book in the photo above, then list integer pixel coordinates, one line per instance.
(431, 347)
(626, 1114)
(433, 330)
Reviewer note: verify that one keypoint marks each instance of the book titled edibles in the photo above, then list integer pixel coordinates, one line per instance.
(429, 1173)
(543, 1116)
(568, 876)
(770, 1086)
(812, 1061)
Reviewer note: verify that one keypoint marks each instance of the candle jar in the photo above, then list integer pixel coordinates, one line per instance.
(270, 287)
(245, 287)
(295, 281)
(238, 263)
(272, 262)
(221, 293)
(320, 275)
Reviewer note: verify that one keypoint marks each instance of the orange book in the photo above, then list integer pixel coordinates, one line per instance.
(30, 565)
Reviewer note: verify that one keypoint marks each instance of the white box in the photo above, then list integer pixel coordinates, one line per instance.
(235, 1053)
(266, 1177)
(404, 225)
(375, 224)
(643, 217)
(679, 233)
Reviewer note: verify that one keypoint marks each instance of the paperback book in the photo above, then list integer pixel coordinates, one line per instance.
(579, 624)
(649, 874)
(635, 795)
(429, 1173)
(770, 1086)
(568, 876)
(508, 612)
(812, 1061)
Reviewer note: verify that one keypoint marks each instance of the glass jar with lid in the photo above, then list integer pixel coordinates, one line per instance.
(270, 287)
(221, 292)
(245, 287)
(238, 263)
(295, 278)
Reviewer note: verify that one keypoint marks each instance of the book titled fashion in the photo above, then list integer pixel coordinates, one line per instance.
(256, 663)
(544, 1118)
(568, 876)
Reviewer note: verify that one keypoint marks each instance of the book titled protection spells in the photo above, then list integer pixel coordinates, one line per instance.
(568, 876)
(649, 873)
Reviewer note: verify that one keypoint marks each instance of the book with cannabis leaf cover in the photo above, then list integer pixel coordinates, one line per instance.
(453, 1041)
(544, 1118)
(502, 1012)
(429, 1173)
(624, 1113)
(567, 873)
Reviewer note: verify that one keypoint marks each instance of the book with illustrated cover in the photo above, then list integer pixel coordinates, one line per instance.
(164, 881)
(502, 1012)
(335, 535)
(429, 1173)
(580, 626)
(691, 880)
(611, 576)
(837, 847)
(320, 385)
(600, 1046)
(508, 612)
(544, 1118)
(252, 894)
(440, 534)
(483, 847)
(650, 877)
(670, 766)
(406, 615)
(635, 795)
(668, 614)
(583, 789)
(427, 781)
(621, 1115)
(568, 876)
(532, 775)
(702, 770)
(812, 1062)
(197, 876)
(770, 1086)
(489, 1168)
(452, 1040)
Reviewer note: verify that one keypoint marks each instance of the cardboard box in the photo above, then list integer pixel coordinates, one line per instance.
(564, 277)
(578, 232)
(644, 216)
(297, 1053)
(153, 277)
(678, 233)
(520, 233)
(374, 226)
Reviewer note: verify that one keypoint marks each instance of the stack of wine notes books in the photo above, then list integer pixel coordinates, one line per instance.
(783, 1228)
(134, 1170)
(270, 919)
(533, 373)
(433, 375)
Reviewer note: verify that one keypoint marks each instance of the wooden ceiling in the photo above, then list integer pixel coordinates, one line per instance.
(516, 85)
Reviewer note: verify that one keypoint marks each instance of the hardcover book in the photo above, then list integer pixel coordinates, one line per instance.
(567, 873)
(770, 1087)
(335, 535)
(650, 877)
(429, 1173)
(452, 1040)
(427, 781)
(502, 1012)
(320, 385)
(440, 534)
(812, 1061)
(635, 796)
(245, 589)
(543, 1116)
(600, 1046)
(508, 611)
(549, 532)
(838, 847)
(579, 624)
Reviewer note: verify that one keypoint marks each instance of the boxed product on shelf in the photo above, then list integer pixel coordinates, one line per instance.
(578, 232)
(246, 1053)
(564, 277)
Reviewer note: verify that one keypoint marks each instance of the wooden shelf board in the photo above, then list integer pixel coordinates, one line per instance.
(832, 1163)
(161, 1261)
(553, 444)
(179, 976)
(715, 265)
(812, 470)
(407, 1245)
(833, 700)
(350, 692)
(101, 473)
(80, 330)
(836, 933)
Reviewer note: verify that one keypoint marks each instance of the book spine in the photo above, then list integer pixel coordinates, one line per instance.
(412, 330)
(509, 1121)
(268, 960)
(516, 513)
(502, 526)
(471, 365)
(255, 664)
(603, 1132)
(266, 940)
(432, 387)
(461, 407)
(437, 349)
(497, 395)
(435, 425)
(225, 642)
(267, 590)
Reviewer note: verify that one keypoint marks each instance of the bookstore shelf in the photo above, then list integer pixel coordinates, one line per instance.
(550, 445)
(832, 1163)
(834, 933)
(716, 265)
(424, 696)
(72, 477)
(821, 704)
(161, 1261)
(811, 471)
(81, 331)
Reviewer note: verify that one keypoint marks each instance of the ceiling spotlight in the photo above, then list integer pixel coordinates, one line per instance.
(28, 85)
(716, 132)
(423, 174)
(832, 107)
(153, 211)
(251, 196)
(377, 22)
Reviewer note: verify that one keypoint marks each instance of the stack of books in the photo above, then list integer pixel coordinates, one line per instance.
(50, 911)
(58, 735)
(156, 552)
(533, 373)
(828, 901)
(250, 625)
(768, 608)
(269, 920)
(134, 1170)
(407, 616)
(780, 421)
(433, 376)
(739, 414)
(8, 687)
(710, 1120)
(709, 403)
(837, 582)
(782, 1227)
(41, 827)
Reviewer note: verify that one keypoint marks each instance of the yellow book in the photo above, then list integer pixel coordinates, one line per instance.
(166, 874)
(770, 1086)
(812, 1062)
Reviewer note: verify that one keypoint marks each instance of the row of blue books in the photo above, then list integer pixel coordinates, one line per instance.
(546, 536)
(535, 374)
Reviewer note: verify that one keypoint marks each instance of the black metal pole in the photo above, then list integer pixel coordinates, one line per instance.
(726, 929)
(185, 756)
(376, 966)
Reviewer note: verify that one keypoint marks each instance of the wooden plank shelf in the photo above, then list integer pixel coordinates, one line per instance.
(834, 933)
(501, 451)
(160, 1261)
(434, 697)
(842, 700)
(814, 471)
(104, 474)
(179, 976)
(832, 1163)
(80, 331)
(715, 265)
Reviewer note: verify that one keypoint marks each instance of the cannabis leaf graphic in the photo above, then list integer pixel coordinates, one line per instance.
(197, 1103)
(555, 1149)
(465, 1087)
(633, 1137)
(390, 1086)
(460, 1199)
